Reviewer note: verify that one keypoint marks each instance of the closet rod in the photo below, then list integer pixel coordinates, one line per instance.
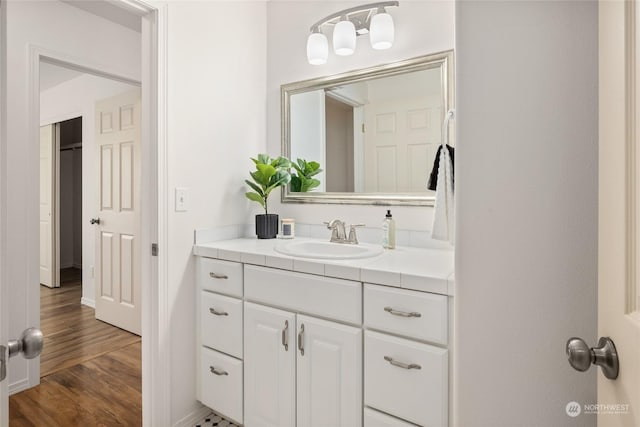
(72, 147)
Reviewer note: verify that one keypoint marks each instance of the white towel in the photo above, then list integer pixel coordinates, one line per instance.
(443, 225)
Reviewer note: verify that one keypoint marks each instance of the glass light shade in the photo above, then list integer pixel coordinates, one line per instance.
(381, 31)
(344, 38)
(317, 49)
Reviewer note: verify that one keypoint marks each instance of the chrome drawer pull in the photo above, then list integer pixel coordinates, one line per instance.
(402, 313)
(301, 340)
(217, 313)
(285, 336)
(217, 372)
(402, 365)
(218, 275)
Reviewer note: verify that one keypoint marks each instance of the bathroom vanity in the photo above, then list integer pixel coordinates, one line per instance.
(289, 341)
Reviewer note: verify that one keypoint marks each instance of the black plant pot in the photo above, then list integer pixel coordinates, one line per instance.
(267, 226)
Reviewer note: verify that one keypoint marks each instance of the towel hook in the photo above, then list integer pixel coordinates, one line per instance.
(451, 114)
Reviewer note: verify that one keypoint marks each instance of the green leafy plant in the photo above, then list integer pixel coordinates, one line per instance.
(302, 180)
(269, 174)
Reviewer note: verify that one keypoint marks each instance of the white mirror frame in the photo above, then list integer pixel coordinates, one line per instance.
(442, 60)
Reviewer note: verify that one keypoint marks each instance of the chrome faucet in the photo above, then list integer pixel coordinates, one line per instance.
(339, 234)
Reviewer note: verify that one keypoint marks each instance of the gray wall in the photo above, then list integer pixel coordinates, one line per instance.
(527, 175)
(339, 143)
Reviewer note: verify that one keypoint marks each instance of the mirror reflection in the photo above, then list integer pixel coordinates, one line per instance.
(374, 132)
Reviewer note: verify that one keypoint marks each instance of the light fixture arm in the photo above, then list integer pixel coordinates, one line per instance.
(346, 12)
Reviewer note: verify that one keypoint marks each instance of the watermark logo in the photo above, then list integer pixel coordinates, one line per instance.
(606, 408)
(573, 409)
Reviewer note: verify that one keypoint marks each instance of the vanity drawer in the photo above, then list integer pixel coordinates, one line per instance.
(220, 276)
(378, 419)
(324, 296)
(221, 383)
(221, 323)
(419, 394)
(414, 314)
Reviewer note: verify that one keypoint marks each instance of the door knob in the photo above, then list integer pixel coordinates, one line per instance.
(29, 344)
(95, 221)
(604, 355)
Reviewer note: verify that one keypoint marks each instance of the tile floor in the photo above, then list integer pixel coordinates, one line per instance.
(213, 420)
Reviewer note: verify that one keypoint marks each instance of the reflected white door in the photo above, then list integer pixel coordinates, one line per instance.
(619, 209)
(117, 271)
(400, 142)
(47, 181)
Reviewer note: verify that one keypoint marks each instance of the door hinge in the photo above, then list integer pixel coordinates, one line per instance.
(3, 362)
(363, 128)
(154, 249)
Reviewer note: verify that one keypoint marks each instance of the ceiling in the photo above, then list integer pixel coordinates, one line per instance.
(108, 10)
(53, 75)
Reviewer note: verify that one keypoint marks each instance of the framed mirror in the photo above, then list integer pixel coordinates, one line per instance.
(375, 132)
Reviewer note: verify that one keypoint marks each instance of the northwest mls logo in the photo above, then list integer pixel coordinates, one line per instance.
(573, 409)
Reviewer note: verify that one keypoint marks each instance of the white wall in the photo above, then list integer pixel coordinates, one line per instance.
(422, 27)
(71, 32)
(216, 121)
(77, 98)
(308, 130)
(527, 183)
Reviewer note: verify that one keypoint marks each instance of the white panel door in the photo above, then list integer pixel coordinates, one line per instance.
(329, 374)
(400, 142)
(117, 271)
(269, 367)
(47, 186)
(619, 210)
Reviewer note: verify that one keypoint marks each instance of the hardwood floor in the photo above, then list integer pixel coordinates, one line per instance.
(90, 370)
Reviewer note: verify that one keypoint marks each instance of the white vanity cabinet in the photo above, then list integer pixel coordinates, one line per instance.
(219, 337)
(283, 348)
(270, 366)
(393, 363)
(300, 362)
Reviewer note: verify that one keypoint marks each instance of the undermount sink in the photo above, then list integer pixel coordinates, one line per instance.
(327, 250)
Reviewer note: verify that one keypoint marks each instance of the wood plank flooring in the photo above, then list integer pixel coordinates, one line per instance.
(90, 370)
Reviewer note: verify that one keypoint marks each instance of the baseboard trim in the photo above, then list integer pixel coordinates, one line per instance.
(191, 419)
(19, 386)
(88, 302)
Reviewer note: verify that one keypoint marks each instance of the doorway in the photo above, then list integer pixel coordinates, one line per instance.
(79, 347)
(60, 201)
(44, 38)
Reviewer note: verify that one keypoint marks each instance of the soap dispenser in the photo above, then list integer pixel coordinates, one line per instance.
(388, 231)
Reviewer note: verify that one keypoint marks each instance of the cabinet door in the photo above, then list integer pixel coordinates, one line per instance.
(269, 363)
(329, 376)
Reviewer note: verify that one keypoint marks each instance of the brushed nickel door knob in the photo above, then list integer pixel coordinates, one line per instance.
(29, 344)
(604, 355)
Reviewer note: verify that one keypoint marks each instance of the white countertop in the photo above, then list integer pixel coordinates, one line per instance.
(427, 270)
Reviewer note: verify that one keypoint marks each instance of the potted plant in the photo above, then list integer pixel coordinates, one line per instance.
(269, 174)
(302, 180)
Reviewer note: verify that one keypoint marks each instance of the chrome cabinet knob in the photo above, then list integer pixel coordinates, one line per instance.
(604, 355)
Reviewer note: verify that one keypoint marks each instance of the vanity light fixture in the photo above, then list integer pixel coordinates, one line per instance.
(371, 19)
(344, 37)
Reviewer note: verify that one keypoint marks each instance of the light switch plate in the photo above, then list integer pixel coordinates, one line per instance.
(181, 199)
